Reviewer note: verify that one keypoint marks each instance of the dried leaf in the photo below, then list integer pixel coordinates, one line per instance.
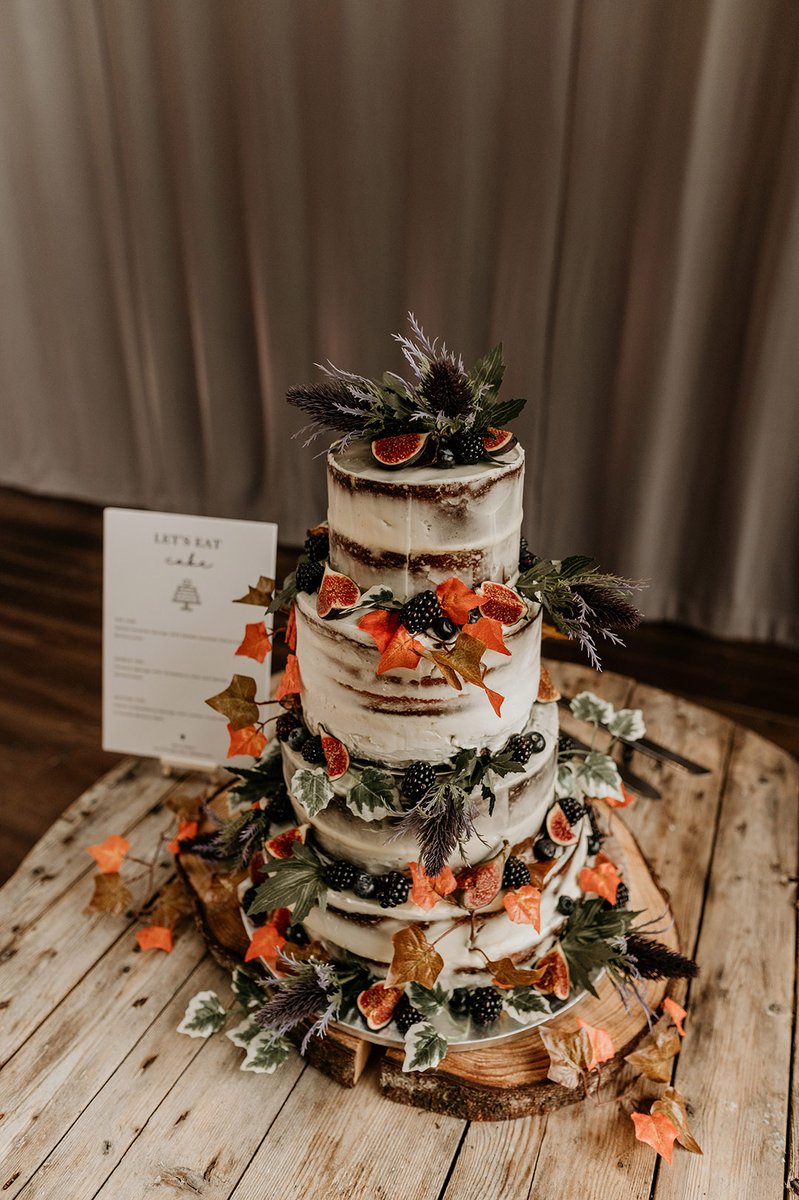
(677, 1014)
(381, 624)
(171, 903)
(260, 594)
(540, 870)
(457, 600)
(249, 740)
(290, 634)
(290, 679)
(265, 943)
(489, 632)
(657, 1130)
(256, 643)
(495, 699)
(523, 906)
(428, 890)
(237, 702)
(464, 657)
(402, 651)
(547, 692)
(654, 1055)
(627, 798)
(602, 1048)
(110, 895)
(602, 879)
(506, 975)
(186, 829)
(672, 1105)
(155, 937)
(415, 960)
(569, 1055)
(184, 807)
(109, 854)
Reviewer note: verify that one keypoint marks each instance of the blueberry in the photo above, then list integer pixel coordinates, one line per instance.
(544, 848)
(444, 629)
(296, 738)
(565, 905)
(365, 885)
(459, 1002)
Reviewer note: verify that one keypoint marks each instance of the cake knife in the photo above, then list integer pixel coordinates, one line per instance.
(655, 750)
(638, 785)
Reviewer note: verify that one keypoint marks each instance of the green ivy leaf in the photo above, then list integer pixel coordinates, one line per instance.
(429, 1001)
(628, 723)
(297, 883)
(244, 1033)
(204, 1015)
(374, 795)
(313, 789)
(266, 1052)
(424, 1047)
(588, 707)
(246, 989)
(598, 775)
(519, 1003)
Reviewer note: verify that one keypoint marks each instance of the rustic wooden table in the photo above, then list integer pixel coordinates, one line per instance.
(100, 1097)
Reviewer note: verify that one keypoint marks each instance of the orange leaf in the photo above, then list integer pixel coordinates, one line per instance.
(237, 702)
(110, 895)
(672, 1105)
(256, 643)
(249, 740)
(290, 680)
(602, 879)
(186, 830)
(402, 651)
(415, 960)
(291, 628)
(653, 1057)
(265, 943)
(602, 1048)
(547, 691)
(507, 975)
(657, 1130)
(109, 854)
(677, 1014)
(524, 906)
(381, 624)
(457, 600)
(495, 699)
(428, 890)
(155, 937)
(489, 632)
(614, 802)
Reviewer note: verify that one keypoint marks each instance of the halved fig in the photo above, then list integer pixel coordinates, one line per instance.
(555, 980)
(337, 757)
(337, 593)
(399, 450)
(501, 603)
(496, 441)
(558, 827)
(282, 846)
(376, 1005)
(258, 874)
(480, 885)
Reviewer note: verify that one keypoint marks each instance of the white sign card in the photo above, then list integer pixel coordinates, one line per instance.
(171, 629)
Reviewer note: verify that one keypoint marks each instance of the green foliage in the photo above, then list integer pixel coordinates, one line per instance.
(204, 1015)
(593, 939)
(312, 788)
(374, 795)
(424, 1047)
(297, 883)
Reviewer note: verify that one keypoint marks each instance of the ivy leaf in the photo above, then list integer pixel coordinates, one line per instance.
(519, 1003)
(677, 1014)
(110, 895)
(489, 632)
(171, 903)
(653, 1057)
(237, 702)
(259, 594)
(248, 740)
(586, 706)
(204, 1015)
(566, 781)
(402, 651)
(373, 796)
(598, 774)
(187, 829)
(601, 1043)
(464, 658)
(312, 788)
(255, 643)
(569, 1055)
(245, 1032)
(523, 906)
(457, 600)
(602, 879)
(415, 960)
(246, 989)
(627, 723)
(424, 1047)
(507, 975)
(672, 1105)
(296, 883)
(427, 890)
(265, 943)
(429, 1001)
(266, 1053)
(657, 1130)
(290, 679)
(155, 937)
(381, 625)
(109, 854)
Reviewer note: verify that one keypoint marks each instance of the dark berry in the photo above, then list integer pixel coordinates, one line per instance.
(284, 725)
(296, 935)
(406, 1015)
(592, 817)
(392, 889)
(522, 746)
(573, 810)
(417, 781)
(317, 546)
(544, 849)
(296, 738)
(419, 613)
(566, 744)
(312, 750)
(444, 629)
(365, 885)
(340, 875)
(459, 1002)
(467, 447)
(278, 808)
(247, 899)
(622, 896)
(516, 874)
(526, 558)
(594, 844)
(565, 905)
(485, 1005)
(309, 576)
(445, 458)
(474, 615)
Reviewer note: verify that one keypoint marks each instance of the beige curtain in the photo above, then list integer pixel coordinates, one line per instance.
(201, 198)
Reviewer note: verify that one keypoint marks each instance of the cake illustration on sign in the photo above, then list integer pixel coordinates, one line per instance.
(425, 852)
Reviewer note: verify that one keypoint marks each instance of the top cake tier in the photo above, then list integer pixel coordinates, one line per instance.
(418, 526)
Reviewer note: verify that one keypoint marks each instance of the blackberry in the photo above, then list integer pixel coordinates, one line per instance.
(444, 629)
(573, 810)
(365, 885)
(317, 546)
(340, 875)
(459, 1002)
(515, 874)
(278, 808)
(246, 900)
(566, 744)
(392, 889)
(544, 848)
(522, 746)
(284, 725)
(467, 447)
(296, 737)
(296, 935)
(417, 781)
(594, 844)
(622, 896)
(485, 1005)
(406, 1015)
(312, 750)
(565, 905)
(309, 575)
(419, 613)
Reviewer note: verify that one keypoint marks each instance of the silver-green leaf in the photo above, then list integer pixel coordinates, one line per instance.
(266, 1052)
(424, 1047)
(204, 1015)
(374, 795)
(312, 788)
(429, 1001)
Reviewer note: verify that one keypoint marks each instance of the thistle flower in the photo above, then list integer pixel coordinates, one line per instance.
(306, 990)
(331, 404)
(446, 389)
(607, 607)
(653, 960)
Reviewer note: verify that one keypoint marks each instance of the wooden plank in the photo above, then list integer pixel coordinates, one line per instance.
(497, 1160)
(362, 1144)
(735, 1067)
(79, 1046)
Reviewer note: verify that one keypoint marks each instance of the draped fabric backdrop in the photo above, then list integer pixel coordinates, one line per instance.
(201, 198)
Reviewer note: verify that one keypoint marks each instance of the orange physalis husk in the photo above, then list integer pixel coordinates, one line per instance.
(428, 890)
(255, 643)
(110, 853)
(291, 628)
(614, 802)
(523, 906)
(402, 651)
(457, 600)
(602, 1048)
(602, 879)
(290, 679)
(547, 692)
(677, 1014)
(155, 937)
(186, 830)
(249, 740)
(265, 943)
(657, 1130)
(381, 625)
(489, 632)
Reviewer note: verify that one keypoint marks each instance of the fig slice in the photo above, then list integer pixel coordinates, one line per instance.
(399, 450)
(282, 846)
(501, 603)
(376, 1005)
(555, 980)
(337, 594)
(496, 441)
(480, 885)
(337, 757)
(558, 826)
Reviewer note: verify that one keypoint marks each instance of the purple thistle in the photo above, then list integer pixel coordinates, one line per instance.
(307, 990)
(332, 405)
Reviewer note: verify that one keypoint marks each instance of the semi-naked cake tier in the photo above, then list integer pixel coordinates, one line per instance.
(411, 529)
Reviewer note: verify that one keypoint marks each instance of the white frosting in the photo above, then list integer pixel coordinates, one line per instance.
(410, 528)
